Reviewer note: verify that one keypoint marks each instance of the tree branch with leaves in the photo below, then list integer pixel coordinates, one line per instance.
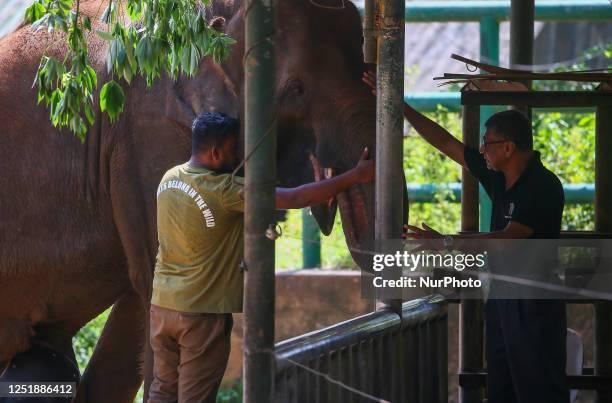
(145, 37)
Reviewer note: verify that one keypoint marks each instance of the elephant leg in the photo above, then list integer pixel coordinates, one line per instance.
(148, 357)
(114, 370)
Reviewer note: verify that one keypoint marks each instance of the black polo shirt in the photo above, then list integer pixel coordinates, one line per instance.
(535, 200)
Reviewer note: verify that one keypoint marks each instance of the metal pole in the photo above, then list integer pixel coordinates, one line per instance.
(390, 126)
(260, 169)
(489, 53)
(603, 223)
(311, 241)
(471, 312)
(522, 14)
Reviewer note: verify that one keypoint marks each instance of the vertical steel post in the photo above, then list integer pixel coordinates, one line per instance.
(311, 241)
(390, 126)
(522, 14)
(489, 53)
(260, 179)
(471, 312)
(603, 223)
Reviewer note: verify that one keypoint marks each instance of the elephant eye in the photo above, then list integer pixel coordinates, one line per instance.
(296, 88)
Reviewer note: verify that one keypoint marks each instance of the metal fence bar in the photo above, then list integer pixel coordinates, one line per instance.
(556, 10)
(374, 354)
(576, 193)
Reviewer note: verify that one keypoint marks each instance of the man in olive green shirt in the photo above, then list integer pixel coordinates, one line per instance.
(198, 282)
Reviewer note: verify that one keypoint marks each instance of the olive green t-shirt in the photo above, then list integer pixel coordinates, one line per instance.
(199, 227)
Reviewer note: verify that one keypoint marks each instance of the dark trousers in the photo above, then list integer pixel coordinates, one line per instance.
(190, 353)
(526, 351)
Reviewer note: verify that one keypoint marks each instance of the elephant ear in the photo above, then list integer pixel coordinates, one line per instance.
(178, 110)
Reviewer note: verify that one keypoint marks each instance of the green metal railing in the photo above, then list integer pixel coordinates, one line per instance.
(557, 10)
(579, 193)
(489, 14)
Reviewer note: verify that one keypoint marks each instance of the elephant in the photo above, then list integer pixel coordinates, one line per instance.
(78, 231)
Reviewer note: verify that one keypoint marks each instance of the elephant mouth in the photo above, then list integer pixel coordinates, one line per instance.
(352, 208)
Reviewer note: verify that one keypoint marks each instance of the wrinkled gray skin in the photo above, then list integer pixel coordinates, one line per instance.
(77, 230)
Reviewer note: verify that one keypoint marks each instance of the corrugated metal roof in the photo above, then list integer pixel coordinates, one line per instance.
(11, 14)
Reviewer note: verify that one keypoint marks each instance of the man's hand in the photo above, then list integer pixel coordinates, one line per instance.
(365, 170)
(429, 238)
(417, 233)
(369, 77)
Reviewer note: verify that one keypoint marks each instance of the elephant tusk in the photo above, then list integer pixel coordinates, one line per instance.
(317, 170)
(328, 172)
(316, 167)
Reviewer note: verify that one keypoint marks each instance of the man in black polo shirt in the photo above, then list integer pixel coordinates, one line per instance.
(526, 339)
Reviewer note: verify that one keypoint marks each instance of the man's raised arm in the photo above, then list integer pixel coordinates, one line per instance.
(432, 132)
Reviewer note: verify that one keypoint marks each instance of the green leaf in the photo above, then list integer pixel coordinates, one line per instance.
(34, 13)
(87, 23)
(107, 14)
(194, 60)
(89, 113)
(93, 77)
(104, 35)
(112, 99)
(134, 9)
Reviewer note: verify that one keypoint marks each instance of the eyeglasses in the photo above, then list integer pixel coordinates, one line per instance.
(484, 144)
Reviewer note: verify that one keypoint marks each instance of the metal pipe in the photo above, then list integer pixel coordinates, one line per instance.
(603, 223)
(558, 10)
(471, 317)
(260, 169)
(522, 15)
(575, 193)
(451, 101)
(390, 126)
(311, 241)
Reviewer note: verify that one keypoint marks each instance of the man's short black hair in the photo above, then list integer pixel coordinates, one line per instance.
(212, 129)
(514, 126)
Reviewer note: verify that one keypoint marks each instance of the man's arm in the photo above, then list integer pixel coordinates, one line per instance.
(435, 135)
(315, 193)
(432, 132)
(514, 230)
(465, 242)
